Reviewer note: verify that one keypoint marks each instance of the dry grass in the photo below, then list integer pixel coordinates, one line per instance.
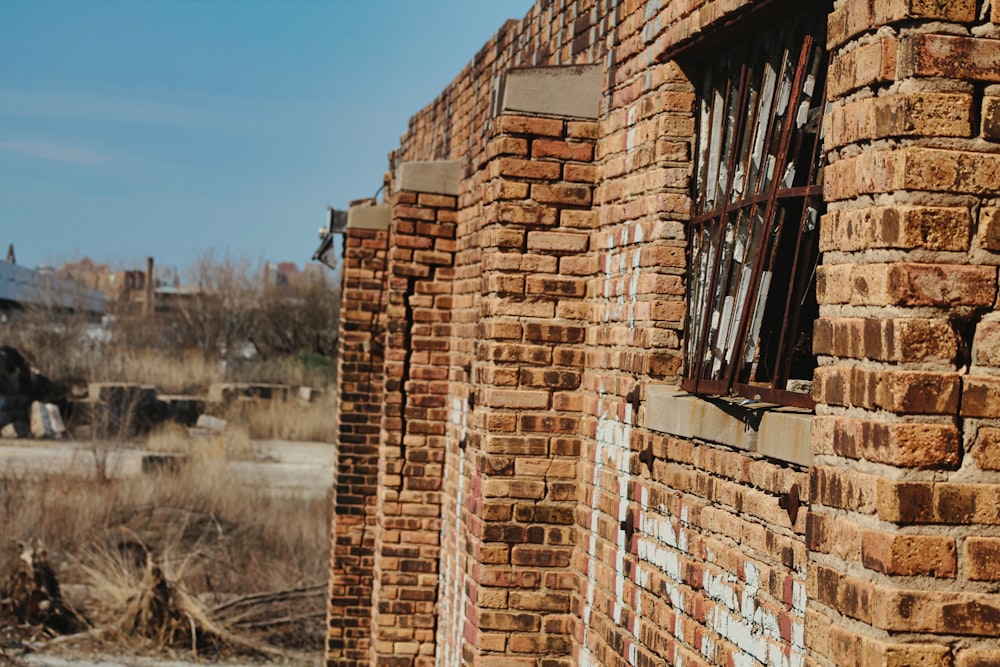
(233, 443)
(184, 373)
(287, 418)
(214, 539)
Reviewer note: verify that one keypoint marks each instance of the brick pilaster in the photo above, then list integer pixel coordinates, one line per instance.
(907, 377)
(359, 408)
(526, 424)
(411, 457)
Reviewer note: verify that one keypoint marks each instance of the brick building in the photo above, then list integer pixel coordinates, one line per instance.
(674, 343)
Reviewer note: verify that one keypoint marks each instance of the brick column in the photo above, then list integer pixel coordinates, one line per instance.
(414, 420)
(359, 409)
(905, 490)
(526, 424)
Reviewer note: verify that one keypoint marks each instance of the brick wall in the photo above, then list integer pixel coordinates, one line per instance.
(528, 513)
(898, 535)
(359, 409)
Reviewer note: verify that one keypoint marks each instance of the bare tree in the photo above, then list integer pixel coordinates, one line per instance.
(216, 315)
(296, 319)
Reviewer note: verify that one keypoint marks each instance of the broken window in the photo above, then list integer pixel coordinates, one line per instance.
(757, 202)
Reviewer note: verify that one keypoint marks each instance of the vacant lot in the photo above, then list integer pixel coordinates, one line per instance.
(215, 549)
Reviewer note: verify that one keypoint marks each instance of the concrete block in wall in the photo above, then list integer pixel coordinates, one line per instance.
(786, 435)
(439, 177)
(369, 217)
(573, 91)
(688, 416)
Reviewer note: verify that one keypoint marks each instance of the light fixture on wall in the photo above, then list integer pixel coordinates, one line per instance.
(336, 225)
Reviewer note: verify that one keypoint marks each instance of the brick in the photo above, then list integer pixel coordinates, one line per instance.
(501, 238)
(930, 611)
(437, 201)
(948, 170)
(980, 396)
(980, 657)
(504, 189)
(982, 558)
(578, 219)
(540, 556)
(513, 622)
(561, 194)
(526, 214)
(901, 444)
(907, 227)
(913, 168)
(580, 173)
(505, 144)
(868, 64)
(503, 488)
(843, 489)
(927, 502)
(515, 398)
(986, 342)
(916, 339)
(991, 118)
(557, 242)
(579, 129)
(553, 333)
(548, 127)
(986, 448)
(909, 555)
(540, 601)
(556, 286)
(915, 392)
(907, 284)
(503, 284)
(900, 115)
(521, 168)
(875, 653)
(989, 228)
(907, 392)
(961, 11)
(562, 150)
(950, 56)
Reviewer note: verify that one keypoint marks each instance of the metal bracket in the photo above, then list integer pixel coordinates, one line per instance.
(790, 503)
(632, 398)
(628, 525)
(646, 456)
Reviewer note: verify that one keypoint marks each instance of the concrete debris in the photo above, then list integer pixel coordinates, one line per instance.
(15, 431)
(46, 421)
(211, 423)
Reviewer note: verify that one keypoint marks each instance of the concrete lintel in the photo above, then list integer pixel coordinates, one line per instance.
(438, 177)
(572, 91)
(369, 217)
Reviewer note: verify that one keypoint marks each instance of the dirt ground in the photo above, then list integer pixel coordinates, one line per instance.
(304, 468)
(110, 661)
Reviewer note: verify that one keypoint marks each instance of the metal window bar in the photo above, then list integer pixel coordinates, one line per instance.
(754, 245)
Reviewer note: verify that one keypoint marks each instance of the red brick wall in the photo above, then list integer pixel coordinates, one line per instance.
(898, 530)
(559, 530)
(359, 410)
(411, 457)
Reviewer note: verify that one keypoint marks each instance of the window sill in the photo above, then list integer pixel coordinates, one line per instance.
(774, 431)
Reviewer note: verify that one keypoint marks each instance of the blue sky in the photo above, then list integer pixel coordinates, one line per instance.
(168, 127)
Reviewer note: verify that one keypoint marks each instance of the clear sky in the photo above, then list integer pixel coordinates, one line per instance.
(138, 127)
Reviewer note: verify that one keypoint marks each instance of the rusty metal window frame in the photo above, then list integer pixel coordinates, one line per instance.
(758, 196)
